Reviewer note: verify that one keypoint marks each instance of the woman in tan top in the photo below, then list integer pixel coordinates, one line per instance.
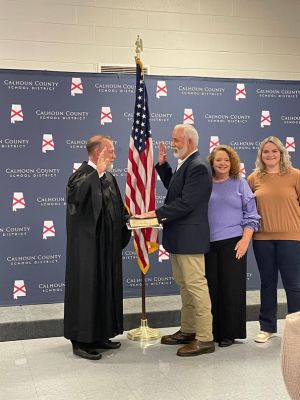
(276, 245)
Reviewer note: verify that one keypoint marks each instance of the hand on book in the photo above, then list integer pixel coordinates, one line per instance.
(145, 220)
(149, 214)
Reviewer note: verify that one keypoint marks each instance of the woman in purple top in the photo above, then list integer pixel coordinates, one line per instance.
(233, 218)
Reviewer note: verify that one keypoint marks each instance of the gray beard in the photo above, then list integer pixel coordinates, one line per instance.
(177, 154)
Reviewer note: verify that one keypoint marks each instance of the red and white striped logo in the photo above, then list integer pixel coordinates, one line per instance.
(162, 254)
(18, 201)
(240, 91)
(105, 116)
(265, 119)
(213, 143)
(47, 143)
(188, 116)
(48, 229)
(19, 289)
(16, 113)
(161, 89)
(76, 86)
(290, 144)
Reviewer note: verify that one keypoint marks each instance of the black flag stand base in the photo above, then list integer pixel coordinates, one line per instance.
(143, 333)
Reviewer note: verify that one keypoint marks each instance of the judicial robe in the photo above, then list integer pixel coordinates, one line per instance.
(96, 234)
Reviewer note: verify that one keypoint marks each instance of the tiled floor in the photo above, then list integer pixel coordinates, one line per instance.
(46, 369)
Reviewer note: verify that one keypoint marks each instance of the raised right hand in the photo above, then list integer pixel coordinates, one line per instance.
(102, 161)
(162, 155)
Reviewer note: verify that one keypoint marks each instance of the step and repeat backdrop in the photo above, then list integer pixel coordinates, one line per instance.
(45, 119)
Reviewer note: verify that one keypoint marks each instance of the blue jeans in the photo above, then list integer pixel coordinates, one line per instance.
(273, 256)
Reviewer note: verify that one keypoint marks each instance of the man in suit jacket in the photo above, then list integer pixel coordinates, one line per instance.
(186, 238)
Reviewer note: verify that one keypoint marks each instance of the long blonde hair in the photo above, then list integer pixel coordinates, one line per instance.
(285, 159)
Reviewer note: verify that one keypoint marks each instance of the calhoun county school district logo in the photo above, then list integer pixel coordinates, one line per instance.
(14, 231)
(8, 143)
(18, 201)
(47, 143)
(201, 91)
(278, 93)
(240, 91)
(76, 86)
(213, 143)
(35, 259)
(19, 289)
(161, 89)
(188, 116)
(290, 144)
(32, 172)
(16, 113)
(53, 287)
(105, 115)
(290, 119)
(265, 119)
(57, 115)
(51, 201)
(162, 254)
(48, 229)
(114, 88)
(75, 144)
(36, 85)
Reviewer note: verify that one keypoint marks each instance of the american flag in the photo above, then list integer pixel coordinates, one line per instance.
(140, 184)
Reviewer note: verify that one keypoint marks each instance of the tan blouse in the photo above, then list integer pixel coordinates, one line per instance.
(278, 203)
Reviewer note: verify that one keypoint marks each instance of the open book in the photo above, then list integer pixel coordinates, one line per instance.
(138, 223)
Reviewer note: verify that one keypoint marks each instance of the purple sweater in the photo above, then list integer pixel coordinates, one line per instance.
(231, 208)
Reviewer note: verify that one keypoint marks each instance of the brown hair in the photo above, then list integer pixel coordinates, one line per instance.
(233, 157)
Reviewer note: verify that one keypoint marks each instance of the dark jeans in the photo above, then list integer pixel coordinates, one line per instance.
(273, 256)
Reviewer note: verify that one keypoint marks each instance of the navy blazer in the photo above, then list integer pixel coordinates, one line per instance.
(185, 213)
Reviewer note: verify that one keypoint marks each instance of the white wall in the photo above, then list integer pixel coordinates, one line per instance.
(222, 38)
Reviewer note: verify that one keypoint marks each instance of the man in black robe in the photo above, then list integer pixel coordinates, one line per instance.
(96, 234)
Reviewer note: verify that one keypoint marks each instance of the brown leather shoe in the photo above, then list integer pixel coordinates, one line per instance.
(178, 338)
(196, 348)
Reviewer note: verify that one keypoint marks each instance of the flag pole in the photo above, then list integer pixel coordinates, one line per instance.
(143, 296)
(144, 332)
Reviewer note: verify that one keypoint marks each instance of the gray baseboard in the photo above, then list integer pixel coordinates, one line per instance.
(46, 320)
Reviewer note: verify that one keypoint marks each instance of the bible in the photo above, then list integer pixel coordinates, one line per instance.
(138, 223)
